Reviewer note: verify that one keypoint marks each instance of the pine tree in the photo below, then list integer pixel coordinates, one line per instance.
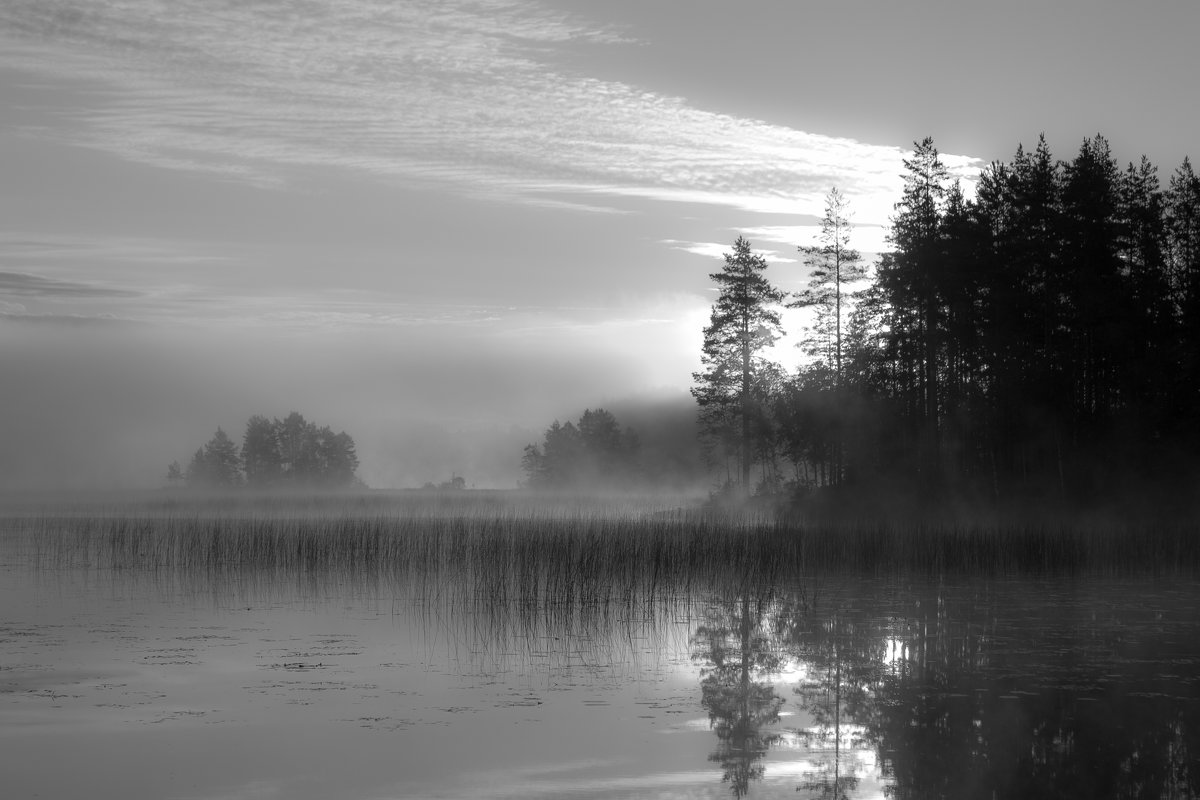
(912, 278)
(744, 322)
(260, 452)
(225, 467)
(1096, 291)
(834, 264)
(216, 464)
(1183, 248)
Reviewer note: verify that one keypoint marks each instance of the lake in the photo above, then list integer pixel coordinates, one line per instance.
(160, 682)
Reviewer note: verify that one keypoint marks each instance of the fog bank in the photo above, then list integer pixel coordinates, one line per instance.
(104, 404)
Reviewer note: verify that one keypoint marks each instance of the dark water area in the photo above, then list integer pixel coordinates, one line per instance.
(120, 683)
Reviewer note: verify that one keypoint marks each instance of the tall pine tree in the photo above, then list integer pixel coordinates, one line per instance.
(744, 322)
(911, 278)
(834, 264)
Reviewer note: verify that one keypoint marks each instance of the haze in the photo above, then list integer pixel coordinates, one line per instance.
(440, 226)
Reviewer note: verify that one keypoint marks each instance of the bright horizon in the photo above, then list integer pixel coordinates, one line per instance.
(457, 220)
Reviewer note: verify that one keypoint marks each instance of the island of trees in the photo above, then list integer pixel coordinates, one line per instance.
(595, 452)
(1038, 343)
(275, 454)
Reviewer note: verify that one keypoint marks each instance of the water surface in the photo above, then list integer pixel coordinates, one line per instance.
(137, 683)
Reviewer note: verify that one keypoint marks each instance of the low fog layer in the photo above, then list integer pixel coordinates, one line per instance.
(107, 404)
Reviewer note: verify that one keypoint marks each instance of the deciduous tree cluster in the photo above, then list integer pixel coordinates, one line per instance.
(275, 453)
(595, 452)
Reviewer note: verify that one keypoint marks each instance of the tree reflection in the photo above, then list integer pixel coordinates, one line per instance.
(843, 659)
(993, 697)
(738, 651)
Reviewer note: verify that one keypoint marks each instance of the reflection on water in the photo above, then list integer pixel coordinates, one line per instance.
(843, 670)
(737, 655)
(826, 687)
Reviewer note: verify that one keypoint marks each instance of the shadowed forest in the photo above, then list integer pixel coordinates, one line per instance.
(1035, 346)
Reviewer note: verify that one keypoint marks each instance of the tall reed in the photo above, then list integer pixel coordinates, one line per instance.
(542, 552)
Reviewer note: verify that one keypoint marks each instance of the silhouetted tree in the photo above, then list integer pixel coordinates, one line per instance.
(260, 453)
(216, 465)
(744, 321)
(834, 264)
(277, 453)
(1182, 227)
(595, 452)
(297, 457)
(335, 456)
(1038, 341)
(912, 278)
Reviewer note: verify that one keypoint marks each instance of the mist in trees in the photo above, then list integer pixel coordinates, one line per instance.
(1035, 344)
(595, 452)
(733, 387)
(275, 454)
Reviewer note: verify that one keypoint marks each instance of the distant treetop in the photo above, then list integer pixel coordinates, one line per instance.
(287, 453)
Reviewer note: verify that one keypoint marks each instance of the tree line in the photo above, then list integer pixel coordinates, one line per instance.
(594, 452)
(275, 453)
(1037, 342)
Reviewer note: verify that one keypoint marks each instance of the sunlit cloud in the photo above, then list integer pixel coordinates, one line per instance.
(444, 93)
(864, 238)
(716, 250)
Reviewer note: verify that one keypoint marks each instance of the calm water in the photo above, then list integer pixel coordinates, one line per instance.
(134, 685)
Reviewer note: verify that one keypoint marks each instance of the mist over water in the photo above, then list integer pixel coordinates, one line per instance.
(108, 405)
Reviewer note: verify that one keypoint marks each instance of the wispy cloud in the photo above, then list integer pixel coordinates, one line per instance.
(72, 277)
(20, 284)
(716, 250)
(79, 252)
(864, 238)
(438, 91)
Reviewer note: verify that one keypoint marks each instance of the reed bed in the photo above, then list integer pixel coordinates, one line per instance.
(539, 552)
(551, 582)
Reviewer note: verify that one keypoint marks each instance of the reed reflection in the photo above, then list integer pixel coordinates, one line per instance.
(738, 652)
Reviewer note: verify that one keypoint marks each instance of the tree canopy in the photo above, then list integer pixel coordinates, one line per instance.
(287, 453)
(595, 452)
(744, 321)
(1037, 342)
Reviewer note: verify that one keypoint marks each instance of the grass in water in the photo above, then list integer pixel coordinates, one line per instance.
(509, 547)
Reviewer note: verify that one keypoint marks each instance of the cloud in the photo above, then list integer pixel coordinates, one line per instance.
(25, 285)
(144, 278)
(717, 250)
(432, 92)
(22, 317)
(864, 238)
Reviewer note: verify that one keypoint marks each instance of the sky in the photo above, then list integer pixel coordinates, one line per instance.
(441, 224)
